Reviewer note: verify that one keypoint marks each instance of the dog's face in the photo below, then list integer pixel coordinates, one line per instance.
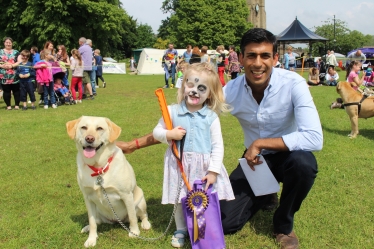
(91, 133)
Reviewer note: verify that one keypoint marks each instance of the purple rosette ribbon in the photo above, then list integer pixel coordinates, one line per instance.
(197, 201)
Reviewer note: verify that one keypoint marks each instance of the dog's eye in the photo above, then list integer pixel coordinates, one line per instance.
(84, 127)
(99, 129)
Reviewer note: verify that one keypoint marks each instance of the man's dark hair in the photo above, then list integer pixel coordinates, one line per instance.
(258, 35)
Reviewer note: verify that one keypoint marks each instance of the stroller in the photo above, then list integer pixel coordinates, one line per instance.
(62, 94)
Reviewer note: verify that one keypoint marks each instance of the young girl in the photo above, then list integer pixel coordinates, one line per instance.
(353, 78)
(313, 77)
(200, 101)
(76, 65)
(352, 74)
(45, 79)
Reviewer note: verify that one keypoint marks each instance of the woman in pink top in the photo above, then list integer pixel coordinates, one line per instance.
(352, 74)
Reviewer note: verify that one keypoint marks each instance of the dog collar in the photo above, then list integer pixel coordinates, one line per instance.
(101, 171)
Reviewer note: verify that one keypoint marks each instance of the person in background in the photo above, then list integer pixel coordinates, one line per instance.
(331, 60)
(93, 70)
(234, 65)
(63, 56)
(221, 64)
(353, 77)
(9, 84)
(86, 53)
(48, 53)
(196, 55)
(77, 68)
(169, 64)
(313, 77)
(99, 68)
(187, 54)
(204, 54)
(356, 56)
(289, 60)
(132, 65)
(26, 74)
(35, 55)
(332, 77)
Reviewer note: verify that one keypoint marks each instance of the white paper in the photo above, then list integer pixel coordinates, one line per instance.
(262, 181)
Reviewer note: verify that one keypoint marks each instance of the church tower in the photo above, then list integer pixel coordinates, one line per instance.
(257, 15)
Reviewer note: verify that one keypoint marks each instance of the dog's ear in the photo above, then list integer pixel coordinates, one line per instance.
(71, 127)
(114, 131)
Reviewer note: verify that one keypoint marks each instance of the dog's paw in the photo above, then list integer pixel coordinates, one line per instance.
(145, 224)
(90, 242)
(85, 229)
(134, 232)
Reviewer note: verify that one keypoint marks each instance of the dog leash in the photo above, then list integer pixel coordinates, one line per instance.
(99, 182)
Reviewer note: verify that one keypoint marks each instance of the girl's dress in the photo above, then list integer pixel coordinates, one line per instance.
(203, 152)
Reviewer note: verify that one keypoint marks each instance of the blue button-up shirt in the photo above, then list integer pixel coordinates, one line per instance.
(287, 110)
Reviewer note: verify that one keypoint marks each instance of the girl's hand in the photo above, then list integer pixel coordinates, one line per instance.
(176, 134)
(210, 178)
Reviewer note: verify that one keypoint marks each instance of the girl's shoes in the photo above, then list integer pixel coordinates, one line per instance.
(178, 238)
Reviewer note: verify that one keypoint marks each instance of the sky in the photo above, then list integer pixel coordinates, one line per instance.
(358, 14)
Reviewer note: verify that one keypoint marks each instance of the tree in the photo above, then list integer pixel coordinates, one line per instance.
(33, 22)
(145, 38)
(161, 44)
(205, 22)
(343, 41)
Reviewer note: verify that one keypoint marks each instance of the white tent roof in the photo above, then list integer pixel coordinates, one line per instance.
(150, 60)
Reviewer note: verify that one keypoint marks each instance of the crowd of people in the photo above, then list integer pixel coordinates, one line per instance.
(26, 72)
(222, 64)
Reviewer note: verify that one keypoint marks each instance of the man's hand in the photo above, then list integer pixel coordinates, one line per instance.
(252, 156)
(210, 178)
(176, 134)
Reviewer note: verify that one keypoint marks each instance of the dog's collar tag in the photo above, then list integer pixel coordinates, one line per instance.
(101, 171)
(99, 180)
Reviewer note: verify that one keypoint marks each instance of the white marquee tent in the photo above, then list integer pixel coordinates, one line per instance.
(150, 60)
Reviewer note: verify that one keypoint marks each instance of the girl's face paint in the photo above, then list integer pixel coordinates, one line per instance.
(196, 91)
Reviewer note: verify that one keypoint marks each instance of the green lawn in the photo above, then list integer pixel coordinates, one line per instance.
(42, 207)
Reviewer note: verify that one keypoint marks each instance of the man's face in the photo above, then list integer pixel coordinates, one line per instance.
(258, 60)
(171, 46)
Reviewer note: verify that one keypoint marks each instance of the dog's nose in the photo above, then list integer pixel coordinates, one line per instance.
(90, 139)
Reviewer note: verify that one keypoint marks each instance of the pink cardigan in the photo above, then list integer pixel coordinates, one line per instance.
(43, 74)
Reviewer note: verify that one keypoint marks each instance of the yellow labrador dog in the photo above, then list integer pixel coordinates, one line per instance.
(355, 105)
(98, 156)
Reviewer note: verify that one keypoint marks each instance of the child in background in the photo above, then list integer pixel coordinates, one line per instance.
(200, 101)
(45, 80)
(369, 77)
(181, 68)
(99, 68)
(76, 65)
(26, 75)
(132, 64)
(59, 87)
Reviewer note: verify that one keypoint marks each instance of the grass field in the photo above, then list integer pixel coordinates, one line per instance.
(41, 205)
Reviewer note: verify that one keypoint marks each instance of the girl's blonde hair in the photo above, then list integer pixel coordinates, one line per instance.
(215, 100)
(75, 53)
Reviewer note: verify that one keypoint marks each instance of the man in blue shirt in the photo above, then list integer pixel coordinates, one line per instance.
(277, 114)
